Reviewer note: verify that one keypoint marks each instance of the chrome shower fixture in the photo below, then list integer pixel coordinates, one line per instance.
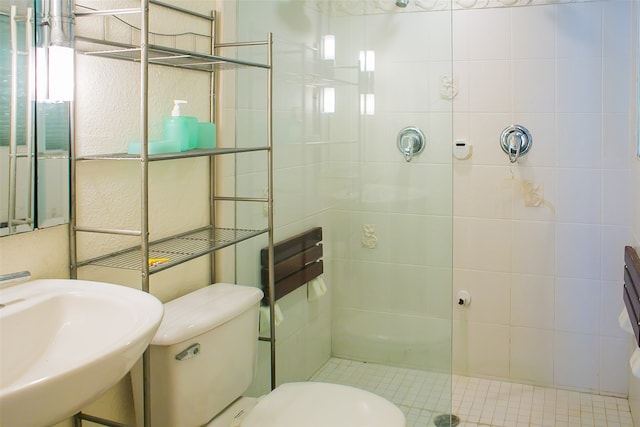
(402, 3)
(515, 141)
(410, 142)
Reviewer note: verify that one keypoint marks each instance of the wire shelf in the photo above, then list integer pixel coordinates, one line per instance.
(124, 41)
(160, 55)
(200, 152)
(174, 250)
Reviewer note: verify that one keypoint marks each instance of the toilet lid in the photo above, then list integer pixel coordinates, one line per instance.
(323, 405)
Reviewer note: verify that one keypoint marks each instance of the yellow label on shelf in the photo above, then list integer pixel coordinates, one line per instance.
(156, 261)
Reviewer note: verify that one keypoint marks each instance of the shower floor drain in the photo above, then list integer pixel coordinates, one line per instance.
(446, 420)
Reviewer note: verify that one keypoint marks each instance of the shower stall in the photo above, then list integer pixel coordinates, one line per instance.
(363, 98)
(533, 236)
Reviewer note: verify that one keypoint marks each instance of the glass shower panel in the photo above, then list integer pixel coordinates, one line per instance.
(301, 135)
(349, 76)
(392, 278)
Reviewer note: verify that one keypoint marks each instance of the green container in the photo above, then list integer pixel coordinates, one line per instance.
(155, 147)
(183, 129)
(206, 135)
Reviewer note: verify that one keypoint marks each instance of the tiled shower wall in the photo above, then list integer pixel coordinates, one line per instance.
(634, 383)
(545, 280)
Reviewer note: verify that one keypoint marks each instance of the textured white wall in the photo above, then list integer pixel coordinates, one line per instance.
(108, 118)
(44, 253)
(107, 105)
(108, 195)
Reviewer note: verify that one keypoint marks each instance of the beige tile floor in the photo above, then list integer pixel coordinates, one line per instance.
(478, 402)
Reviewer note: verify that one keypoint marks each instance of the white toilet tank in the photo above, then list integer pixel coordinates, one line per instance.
(204, 354)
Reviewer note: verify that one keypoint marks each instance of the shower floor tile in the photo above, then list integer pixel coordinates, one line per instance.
(478, 402)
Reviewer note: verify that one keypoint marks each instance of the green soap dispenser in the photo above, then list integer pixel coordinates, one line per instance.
(183, 129)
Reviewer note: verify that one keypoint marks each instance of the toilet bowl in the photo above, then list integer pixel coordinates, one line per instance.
(322, 405)
(204, 357)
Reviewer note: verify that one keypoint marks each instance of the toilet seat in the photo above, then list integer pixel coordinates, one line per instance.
(315, 404)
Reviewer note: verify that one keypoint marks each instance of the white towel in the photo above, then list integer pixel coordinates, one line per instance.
(316, 288)
(265, 328)
(634, 362)
(625, 322)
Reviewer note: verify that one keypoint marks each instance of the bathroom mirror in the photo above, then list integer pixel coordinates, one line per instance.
(35, 119)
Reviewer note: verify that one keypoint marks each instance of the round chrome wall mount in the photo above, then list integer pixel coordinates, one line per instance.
(410, 142)
(516, 141)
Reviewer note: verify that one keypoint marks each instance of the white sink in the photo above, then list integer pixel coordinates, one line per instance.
(65, 342)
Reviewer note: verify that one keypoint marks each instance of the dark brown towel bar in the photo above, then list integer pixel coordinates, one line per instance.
(631, 293)
(297, 261)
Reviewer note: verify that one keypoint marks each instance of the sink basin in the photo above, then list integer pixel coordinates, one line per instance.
(65, 342)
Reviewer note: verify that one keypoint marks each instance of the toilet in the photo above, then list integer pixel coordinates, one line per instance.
(204, 356)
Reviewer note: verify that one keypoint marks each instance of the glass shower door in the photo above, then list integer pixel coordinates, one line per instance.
(392, 263)
(349, 76)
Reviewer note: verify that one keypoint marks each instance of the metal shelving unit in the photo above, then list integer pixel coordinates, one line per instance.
(154, 256)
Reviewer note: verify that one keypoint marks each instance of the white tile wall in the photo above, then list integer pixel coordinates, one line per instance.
(532, 248)
(579, 196)
(577, 305)
(616, 191)
(482, 244)
(579, 82)
(490, 86)
(573, 367)
(530, 360)
(532, 301)
(579, 30)
(563, 71)
(483, 191)
(578, 251)
(535, 83)
(492, 45)
(489, 349)
(613, 374)
(483, 132)
(528, 21)
(586, 128)
(490, 296)
(634, 184)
